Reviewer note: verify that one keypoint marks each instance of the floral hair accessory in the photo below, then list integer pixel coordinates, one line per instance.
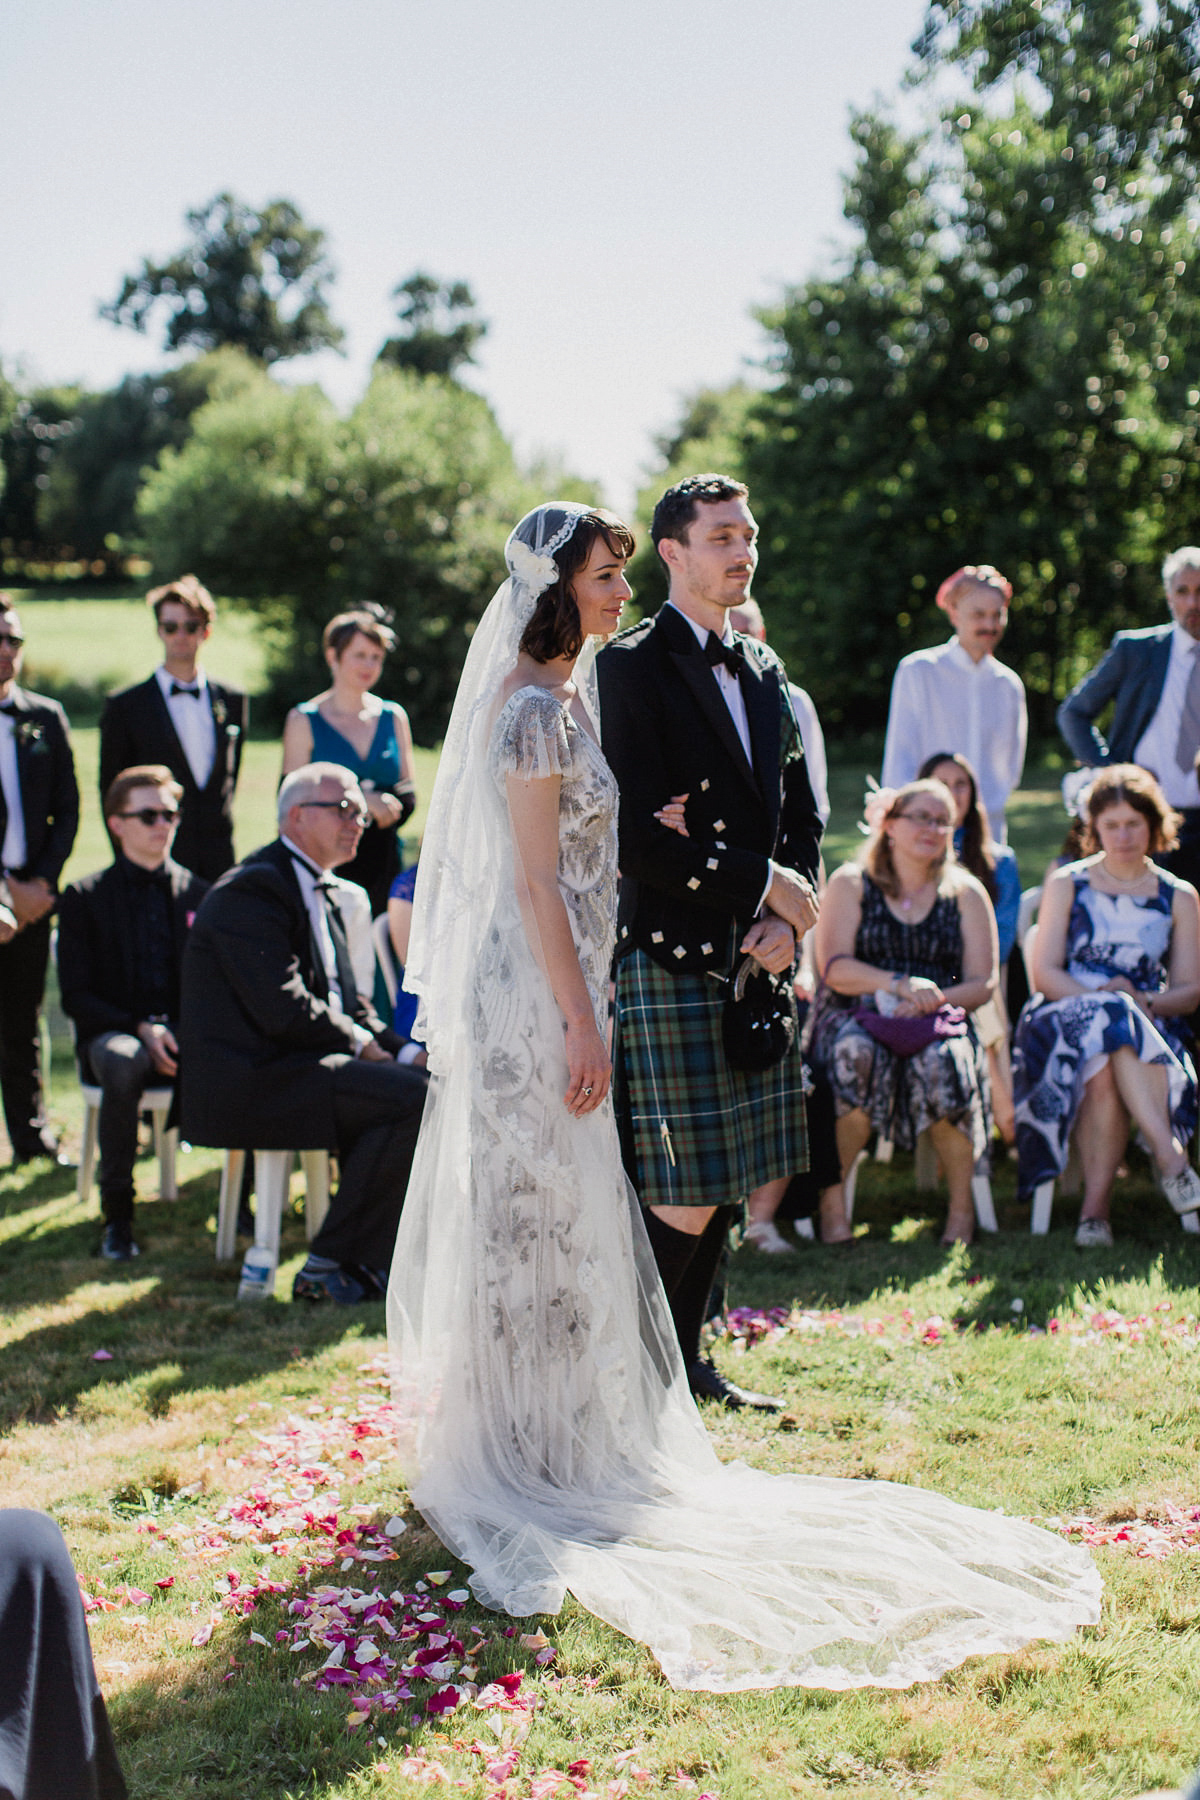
(535, 571)
(877, 804)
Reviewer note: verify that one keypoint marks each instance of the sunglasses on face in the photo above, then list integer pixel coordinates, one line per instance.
(12, 638)
(348, 808)
(169, 627)
(150, 815)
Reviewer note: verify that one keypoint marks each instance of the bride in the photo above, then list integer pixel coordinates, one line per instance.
(547, 1432)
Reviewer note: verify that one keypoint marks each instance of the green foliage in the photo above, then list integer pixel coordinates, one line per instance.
(406, 502)
(441, 330)
(1002, 371)
(256, 278)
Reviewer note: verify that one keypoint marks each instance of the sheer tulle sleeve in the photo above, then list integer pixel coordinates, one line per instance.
(531, 738)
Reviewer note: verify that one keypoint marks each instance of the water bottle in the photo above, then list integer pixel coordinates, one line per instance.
(258, 1274)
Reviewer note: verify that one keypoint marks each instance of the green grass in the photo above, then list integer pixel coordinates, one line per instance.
(130, 1454)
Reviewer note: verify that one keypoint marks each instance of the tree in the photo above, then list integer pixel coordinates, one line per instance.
(407, 503)
(441, 328)
(1003, 370)
(256, 279)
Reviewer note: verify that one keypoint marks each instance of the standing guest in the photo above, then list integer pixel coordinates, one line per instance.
(39, 816)
(905, 932)
(1153, 679)
(193, 726)
(1103, 1041)
(350, 725)
(692, 712)
(281, 1045)
(121, 934)
(748, 618)
(959, 694)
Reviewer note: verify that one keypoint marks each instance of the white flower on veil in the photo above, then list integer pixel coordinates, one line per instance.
(536, 572)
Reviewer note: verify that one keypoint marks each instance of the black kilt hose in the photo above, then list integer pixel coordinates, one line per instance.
(696, 1132)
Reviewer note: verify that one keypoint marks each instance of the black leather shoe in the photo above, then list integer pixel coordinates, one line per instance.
(707, 1383)
(117, 1244)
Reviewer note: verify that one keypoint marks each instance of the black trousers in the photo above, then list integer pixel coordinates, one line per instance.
(377, 1115)
(23, 963)
(55, 1740)
(122, 1067)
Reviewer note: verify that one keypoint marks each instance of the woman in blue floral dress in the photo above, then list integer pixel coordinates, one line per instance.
(1103, 1043)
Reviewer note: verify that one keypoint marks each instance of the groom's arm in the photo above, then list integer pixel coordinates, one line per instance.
(695, 871)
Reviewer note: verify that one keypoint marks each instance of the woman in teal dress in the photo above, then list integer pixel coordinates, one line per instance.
(351, 726)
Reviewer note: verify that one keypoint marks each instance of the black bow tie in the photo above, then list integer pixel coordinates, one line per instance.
(176, 689)
(732, 655)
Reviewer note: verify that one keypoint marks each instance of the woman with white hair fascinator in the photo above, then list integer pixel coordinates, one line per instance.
(547, 1433)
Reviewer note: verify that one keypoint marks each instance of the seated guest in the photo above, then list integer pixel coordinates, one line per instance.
(995, 866)
(1102, 1043)
(399, 916)
(282, 1047)
(905, 932)
(120, 945)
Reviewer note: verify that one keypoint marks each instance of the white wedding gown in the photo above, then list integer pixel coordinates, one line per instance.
(548, 1435)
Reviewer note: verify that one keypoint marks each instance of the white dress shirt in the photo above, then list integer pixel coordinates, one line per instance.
(194, 724)
(813, 739)
(942, 699)
(1156, 749)
(13, 850)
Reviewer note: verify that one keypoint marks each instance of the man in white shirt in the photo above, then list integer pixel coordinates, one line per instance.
(178, 717)
(1153, 679)
(957, 697)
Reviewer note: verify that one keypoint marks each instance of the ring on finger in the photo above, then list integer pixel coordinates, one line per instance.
(587, 1093)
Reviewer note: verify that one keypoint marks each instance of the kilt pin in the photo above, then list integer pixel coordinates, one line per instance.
(694, 1131)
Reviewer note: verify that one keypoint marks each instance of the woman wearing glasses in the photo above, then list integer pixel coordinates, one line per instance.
(905, 932)
(350, 725)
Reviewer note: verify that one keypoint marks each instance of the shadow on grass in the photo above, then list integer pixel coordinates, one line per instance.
(171, 1321)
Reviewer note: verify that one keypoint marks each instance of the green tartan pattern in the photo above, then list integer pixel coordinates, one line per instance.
(726, 1132)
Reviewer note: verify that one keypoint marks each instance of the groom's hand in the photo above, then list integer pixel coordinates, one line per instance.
(792, 898)
(772, 944)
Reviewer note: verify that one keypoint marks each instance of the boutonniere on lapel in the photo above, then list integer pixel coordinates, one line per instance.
(219, 711)
(30, 737)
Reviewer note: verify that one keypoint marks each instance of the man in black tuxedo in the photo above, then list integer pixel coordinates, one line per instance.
(180, 718)
(39, 816)
(121, 934)
(281, 1047)
(694, 713)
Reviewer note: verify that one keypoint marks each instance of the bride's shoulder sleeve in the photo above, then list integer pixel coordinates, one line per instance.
(532, 737)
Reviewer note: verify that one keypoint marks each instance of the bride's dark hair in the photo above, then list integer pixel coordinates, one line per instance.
(554, 630)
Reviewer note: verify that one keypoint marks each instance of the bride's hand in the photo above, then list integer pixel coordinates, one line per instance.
(589, 1067)
(671, 815)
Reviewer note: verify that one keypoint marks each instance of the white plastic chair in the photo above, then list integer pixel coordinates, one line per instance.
(272, 1179)
(157, 1102)
(925, 1157)
(1043, 1205)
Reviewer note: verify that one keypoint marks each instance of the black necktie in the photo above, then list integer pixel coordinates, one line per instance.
(732, 655)
(341, 947)
(176, 689)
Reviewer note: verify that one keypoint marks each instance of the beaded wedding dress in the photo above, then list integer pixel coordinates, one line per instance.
(547, 1433)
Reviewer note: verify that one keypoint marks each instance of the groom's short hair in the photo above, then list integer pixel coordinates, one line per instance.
(677, 508)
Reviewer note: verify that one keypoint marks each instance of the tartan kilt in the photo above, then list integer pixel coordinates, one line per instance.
(695, 1132)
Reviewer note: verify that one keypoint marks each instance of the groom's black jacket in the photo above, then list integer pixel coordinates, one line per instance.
(667, 730)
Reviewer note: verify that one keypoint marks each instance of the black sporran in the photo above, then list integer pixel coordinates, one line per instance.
(758, 1023)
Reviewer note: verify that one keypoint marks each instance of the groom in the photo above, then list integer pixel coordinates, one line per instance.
(688, 707)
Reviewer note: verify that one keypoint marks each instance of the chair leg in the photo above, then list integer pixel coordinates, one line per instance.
(803, 1228)
(272, 1174)
(315, 1164)
(925, 1164)
(884, 1150)
(849, 1185)
(985, 1210)
(87, 1152)
(1043, 1203)
(227, 1205)
(165, 1143)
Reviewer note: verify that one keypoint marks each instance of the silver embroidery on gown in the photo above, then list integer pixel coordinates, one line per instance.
(547, 1433)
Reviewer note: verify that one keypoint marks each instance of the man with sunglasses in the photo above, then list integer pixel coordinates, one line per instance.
(120, 947)
(178, 717)
(39, 816)
(281, 1043)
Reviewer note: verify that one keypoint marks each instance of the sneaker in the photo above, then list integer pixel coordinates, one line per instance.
(117, 1244)
(1094, 1234)
(765, 1235)
(329, 1284)
(1183, 1190)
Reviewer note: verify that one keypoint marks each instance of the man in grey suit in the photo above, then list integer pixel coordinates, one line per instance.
(1153, 679)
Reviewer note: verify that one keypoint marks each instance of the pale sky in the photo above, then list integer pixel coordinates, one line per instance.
(619, 185)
